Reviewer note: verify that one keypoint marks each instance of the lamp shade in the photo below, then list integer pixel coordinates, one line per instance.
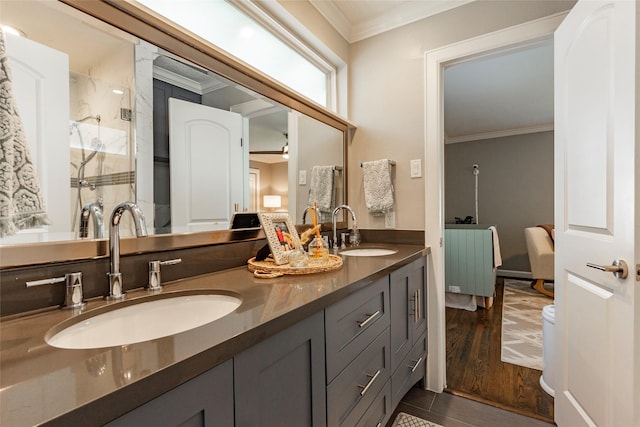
(272, 201)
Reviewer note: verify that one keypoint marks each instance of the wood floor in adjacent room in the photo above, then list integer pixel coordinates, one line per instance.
(481, 389)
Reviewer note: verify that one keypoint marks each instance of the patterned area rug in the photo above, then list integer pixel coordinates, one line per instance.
(522, 324)
(406, 420)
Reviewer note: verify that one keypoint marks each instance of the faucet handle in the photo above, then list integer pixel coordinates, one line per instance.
(155, 282)
(73, 295)
(115, 287)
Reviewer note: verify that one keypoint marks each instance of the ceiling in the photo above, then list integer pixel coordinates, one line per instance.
(502, 94)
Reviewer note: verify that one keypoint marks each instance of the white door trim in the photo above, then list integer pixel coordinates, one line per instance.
(435, 61)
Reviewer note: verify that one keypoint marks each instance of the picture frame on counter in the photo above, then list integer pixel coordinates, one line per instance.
(281, 234)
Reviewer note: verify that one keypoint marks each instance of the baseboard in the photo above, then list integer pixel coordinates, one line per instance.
(515, 274)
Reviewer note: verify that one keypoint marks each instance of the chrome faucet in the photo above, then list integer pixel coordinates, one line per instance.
(115, 277)
(304, 214)
(333, 221)
(91, 210)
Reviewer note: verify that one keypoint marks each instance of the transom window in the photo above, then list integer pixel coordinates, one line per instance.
(230, 29)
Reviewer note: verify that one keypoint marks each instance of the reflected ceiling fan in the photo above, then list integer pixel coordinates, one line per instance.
(284, 151)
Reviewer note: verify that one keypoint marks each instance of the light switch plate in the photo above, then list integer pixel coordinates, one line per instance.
(302, 177)
(416, 168)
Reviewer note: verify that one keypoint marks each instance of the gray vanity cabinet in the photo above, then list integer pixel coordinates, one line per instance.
(281, 381)
(358, 359)
(408, 326)
(408, 298)
(206, 400)
(348, 365)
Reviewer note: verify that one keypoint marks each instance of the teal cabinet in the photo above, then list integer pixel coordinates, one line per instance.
(468, 256)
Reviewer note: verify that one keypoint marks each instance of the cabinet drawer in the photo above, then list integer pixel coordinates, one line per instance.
(410, 371)
(353, 391)
(380, 410)
(351, 324)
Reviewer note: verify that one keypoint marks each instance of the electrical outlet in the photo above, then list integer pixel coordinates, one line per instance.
(302, 177)
(416, 168)
(390, 220)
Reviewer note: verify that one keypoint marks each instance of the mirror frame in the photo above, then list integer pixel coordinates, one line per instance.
(147, 25)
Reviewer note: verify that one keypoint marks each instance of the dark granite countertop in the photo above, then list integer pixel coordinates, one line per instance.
(40, 384)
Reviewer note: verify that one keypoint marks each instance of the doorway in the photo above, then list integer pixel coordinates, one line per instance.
(498, 121)
(435, 63)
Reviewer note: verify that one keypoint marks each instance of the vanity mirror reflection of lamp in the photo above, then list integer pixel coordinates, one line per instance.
(272, 202)
(311, 136)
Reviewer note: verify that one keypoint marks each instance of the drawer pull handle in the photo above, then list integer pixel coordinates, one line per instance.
(417, 306)
(370, 317)
(366, 387)
(414, 367)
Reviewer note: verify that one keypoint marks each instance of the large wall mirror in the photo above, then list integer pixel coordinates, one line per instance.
(114, 114)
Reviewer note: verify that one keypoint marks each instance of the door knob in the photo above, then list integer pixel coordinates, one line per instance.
(618, 267)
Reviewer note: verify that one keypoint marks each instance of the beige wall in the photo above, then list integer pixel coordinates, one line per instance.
(320, 145)
(273, 181)
(386, 95)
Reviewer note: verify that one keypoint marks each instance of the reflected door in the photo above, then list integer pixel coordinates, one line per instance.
(41, 91)
(205, 147)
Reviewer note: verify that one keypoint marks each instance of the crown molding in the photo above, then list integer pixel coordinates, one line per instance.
(407, 13)
(185, 83)
(336, 18)
(403, 14)
(499, 133)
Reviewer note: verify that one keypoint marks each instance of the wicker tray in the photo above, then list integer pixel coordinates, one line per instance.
(268, 268)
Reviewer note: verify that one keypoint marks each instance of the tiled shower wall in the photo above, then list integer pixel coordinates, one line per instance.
(100, 111)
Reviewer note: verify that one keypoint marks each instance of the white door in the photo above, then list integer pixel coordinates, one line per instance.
(41, 90)
(254, 189)
(596, 149)
(205, 151)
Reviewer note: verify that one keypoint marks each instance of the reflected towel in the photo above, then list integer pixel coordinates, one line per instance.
(497, 257)
(321, 188)
(378, 190)
(21, 202)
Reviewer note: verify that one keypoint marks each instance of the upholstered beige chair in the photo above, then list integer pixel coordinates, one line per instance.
(541, 254)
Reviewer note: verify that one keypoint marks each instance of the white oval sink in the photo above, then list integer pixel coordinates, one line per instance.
(144, 321)
(368, 252)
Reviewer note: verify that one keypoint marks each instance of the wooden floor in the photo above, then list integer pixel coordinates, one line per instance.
(474, 368)
(482, 390)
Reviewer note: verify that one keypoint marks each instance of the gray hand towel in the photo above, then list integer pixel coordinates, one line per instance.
(21, 202)
(378, 189)
(321, 189)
